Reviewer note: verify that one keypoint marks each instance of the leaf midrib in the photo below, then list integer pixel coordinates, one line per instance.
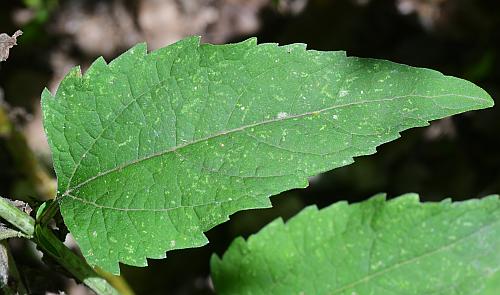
(265, 122)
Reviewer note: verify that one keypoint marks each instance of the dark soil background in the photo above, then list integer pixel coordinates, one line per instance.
(456, 157)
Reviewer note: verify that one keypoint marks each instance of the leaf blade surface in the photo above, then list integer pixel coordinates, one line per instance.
(399, 246)
(154, 149)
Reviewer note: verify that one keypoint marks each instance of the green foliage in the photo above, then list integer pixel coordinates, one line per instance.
(154, 149)
(399, 246)
(42, 8)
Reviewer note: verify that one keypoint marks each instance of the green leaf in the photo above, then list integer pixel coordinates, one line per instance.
(399, 246)
(492, 284)
(154, 149)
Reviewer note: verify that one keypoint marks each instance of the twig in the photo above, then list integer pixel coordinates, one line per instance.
(50, 244)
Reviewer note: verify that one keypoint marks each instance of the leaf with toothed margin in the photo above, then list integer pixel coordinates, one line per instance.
(391, 247)
(156, 148)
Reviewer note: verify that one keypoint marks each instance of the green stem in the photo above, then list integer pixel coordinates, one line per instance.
(48, 213)
(16, 217)
(72, 262)
(51, 245)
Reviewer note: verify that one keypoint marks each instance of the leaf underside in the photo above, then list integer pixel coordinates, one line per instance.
(395, 247)
(154, 149)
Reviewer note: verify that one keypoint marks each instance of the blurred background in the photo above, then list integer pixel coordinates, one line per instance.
(456, 157)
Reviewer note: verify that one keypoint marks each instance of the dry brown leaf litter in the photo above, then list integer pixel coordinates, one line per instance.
(6, 43)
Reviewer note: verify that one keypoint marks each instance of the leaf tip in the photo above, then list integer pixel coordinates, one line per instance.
(472, 96)
(483, 99)
(488, 101)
